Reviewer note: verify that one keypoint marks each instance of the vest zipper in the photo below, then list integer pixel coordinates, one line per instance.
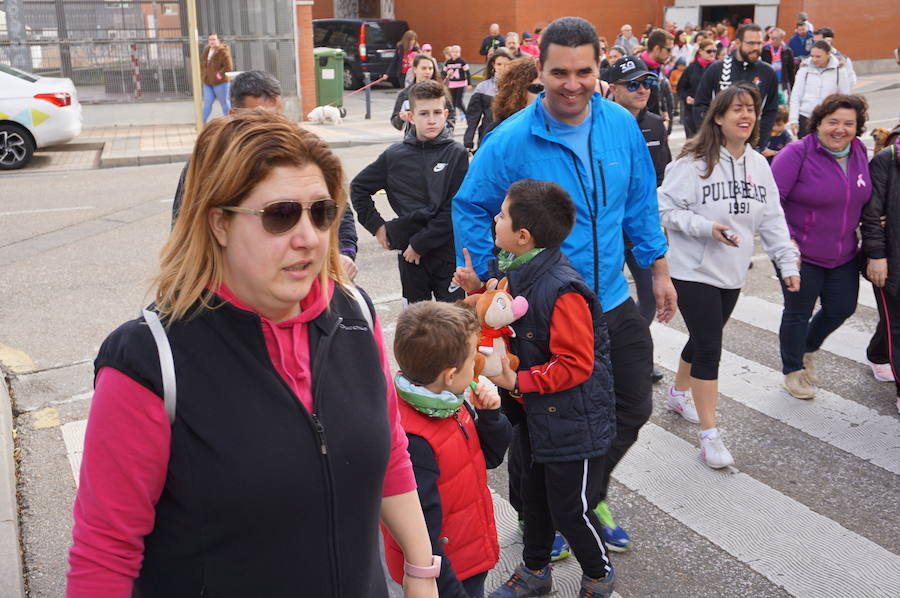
(460, 424)
(319, 427)
(321, 353)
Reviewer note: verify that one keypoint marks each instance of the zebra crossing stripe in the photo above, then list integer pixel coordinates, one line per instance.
(866, 294)
(845, 342)
(797, 549)
(844, 424)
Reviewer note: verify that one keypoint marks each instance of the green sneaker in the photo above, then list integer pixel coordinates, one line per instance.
(616, 538)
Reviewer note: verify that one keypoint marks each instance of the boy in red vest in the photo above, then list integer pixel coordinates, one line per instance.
(451, 444)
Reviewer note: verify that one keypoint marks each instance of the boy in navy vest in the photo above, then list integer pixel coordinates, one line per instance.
(562, 394)
(451, 445)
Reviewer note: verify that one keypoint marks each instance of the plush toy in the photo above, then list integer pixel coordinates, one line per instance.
(496, 310)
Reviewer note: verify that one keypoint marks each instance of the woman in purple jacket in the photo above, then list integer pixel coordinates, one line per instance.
(823, 180)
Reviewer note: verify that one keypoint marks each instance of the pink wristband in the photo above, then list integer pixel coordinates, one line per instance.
(424, 572)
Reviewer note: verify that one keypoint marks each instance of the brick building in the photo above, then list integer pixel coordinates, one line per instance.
(861, 34)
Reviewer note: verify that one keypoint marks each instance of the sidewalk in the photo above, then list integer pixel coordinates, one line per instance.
(109, 147)
(139, 146)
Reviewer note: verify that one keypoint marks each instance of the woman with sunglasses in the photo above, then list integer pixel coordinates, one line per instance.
(270, 473)
(690, 81)
(716, 196)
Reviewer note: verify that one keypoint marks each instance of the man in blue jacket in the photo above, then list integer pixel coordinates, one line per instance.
(801, 42)
(595, 150)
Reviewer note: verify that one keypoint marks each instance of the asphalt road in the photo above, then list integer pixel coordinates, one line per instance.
(809, 510)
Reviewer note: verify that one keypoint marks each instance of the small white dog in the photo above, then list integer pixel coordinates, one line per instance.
(325, 114)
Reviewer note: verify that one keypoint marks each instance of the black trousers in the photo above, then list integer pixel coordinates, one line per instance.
(705, 310)
(689, 121)
(431, 276)
(885, 344)
(561, 496)
(456, 94)
(474, 586)
(632, 362)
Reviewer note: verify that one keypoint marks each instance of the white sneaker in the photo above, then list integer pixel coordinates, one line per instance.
(882, 371)
(714, 452)
(682, 403)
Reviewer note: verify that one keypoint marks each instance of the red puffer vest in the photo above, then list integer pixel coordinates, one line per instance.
(469, 533)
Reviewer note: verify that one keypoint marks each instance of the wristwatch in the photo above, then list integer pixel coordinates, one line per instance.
(424, 572)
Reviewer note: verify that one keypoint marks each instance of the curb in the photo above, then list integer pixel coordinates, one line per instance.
(146, 159)
(11, 572)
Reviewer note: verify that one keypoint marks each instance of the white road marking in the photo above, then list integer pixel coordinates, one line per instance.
(845, 341)
(844, 424)
(73, 436)
(45, 210)
(794, 547)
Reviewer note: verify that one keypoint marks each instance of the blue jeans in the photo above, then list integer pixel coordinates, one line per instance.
(212, 93)
(838, 290)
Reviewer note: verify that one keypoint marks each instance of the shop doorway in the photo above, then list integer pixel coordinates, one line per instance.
(735, 13)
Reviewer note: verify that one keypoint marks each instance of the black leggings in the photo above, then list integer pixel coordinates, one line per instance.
(457, 95)
(885, 344)
(701, 306)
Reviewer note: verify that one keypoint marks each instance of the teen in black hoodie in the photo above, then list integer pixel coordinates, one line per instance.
(420, 175)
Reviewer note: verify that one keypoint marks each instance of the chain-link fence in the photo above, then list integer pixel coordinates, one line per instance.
(138, 51)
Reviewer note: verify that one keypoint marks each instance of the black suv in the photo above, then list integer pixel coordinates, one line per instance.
(369, 45)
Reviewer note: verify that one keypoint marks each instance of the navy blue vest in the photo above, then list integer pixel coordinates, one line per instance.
(577, 423)
(263, 498)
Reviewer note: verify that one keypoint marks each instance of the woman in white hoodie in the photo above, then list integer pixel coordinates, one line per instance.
(819, 76)
(715, 197)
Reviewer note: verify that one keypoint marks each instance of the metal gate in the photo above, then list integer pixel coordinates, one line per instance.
(120, 51)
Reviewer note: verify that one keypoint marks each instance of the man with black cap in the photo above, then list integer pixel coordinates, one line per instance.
(632, 83)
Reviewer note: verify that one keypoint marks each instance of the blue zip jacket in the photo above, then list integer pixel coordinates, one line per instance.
(619, 193)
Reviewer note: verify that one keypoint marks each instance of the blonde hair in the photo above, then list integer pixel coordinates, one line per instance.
(231, 156)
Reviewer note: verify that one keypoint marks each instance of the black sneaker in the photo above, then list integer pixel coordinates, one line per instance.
(524, 582)
(656, 375)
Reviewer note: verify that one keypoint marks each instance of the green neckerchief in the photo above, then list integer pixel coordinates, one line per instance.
(837, 154)
(425, 401)
(506, 261)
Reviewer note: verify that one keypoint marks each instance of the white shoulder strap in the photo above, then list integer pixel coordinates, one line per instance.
(166, 361)
(367, 314)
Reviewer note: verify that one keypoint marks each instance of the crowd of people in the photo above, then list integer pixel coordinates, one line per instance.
(289, 439)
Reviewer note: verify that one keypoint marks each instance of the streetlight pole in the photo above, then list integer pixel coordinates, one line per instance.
(194, 45)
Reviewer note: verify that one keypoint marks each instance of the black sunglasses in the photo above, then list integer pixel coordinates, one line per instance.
(535, 88)
(281, 216)
(646, 83)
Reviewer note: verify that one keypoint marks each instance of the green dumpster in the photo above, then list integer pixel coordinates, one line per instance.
(329, 76)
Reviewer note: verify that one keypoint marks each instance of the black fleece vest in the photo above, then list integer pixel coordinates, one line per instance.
(579, 422)
(263, 498)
